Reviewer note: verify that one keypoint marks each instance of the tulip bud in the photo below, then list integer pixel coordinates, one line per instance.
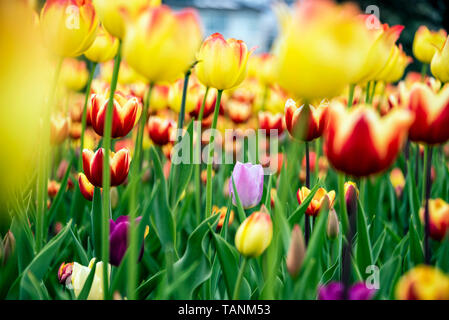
(118, 239)
(9, 245)
(351, 196)
(296, 251)
(332, 225)
(65, 273)
(248, 180)
(254, 234)
(397, 181)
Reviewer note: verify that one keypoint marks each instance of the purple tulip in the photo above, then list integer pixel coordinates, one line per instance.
(334, 291)
(118, 239)
(248, 179)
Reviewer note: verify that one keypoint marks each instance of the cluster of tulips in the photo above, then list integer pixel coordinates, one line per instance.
(352, 208)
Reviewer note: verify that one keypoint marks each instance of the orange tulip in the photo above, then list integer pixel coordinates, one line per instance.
(126, 113)
(53, 188)
(269, 121)
(439, 218)
(315, 205)
(86, 188)
(222, 211)
(359, 142)
(160, 130)
(118, 163)
(307, 122)
(431, 114)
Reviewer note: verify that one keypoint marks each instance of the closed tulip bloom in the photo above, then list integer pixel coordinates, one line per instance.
(397, 181)
(118, 163)
(439, 218)
(161, 44)
(423, 283)
(351, 196)
(118, 239)
(113, 13)
(269, 121)
(192, 98)
(440, 62)
(222, 64)
(68, 26)
(80, 274)
(431, 112)
(360, 143)
(104, 47)
(160, 130)
(426, 42)
(59, 129)
(126, 113)
(74, 74)
(254, 234)
(296, 251)
(321, 49)
(65, 273)
(395, 68)
(87, 189)
(333, 227)
(238, 112)
(307, 122)
(248, 180)
(315, 205)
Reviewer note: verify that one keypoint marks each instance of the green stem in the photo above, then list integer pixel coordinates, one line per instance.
(106, 206)
(371, 99)
(341, 198)
(351, 95)
(427, 190)
(210, 156)
(42, 178)
(235, 295)
(83, 119)
(423, 71)
(367, 93)
(198, 166)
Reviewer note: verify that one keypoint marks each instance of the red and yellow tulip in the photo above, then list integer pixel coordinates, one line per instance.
(315, 205)
(439, 218)
(423, 283)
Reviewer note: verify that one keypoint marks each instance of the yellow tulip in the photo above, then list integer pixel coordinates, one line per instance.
(103, 49)
(395, 68)
(74, 74)
(113, 13)
(440, 63)
(322, 49)
(193, 95)
(127, 75)
(423, 283)
(222, 64)
(79, 277)
(426, 43)
(254, 234)
(68, 26)
(161, 44)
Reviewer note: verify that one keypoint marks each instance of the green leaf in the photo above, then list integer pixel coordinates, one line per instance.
(96, 221)
(84, 260)
(240, 210)
(378, 245)
(88, 283)
(388, 273)
(363, 250)
(416, 249)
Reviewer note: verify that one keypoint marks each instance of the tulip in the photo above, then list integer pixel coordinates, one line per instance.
(315, 205)
(395, 67)
(118, 163)
(87, 189)
(79, 276)
(161, 44)
(238, 112)
(209, 105)
(159, 97)
(431, 114)
(74, 74)
(360, 143)
(118, 239)
(68, 26)
(440, 62)
(192, 97)
(423, 283)
(438, 218)
(126, 113)
(335, 291)
(222, 64)
(65, 273)
(351, 196)
(333, 227)
(296, 251)
(269, 121)
(160, 130)
(127, 75)
(248, 180)
(104, 47)
(59, 129)
(305, 123)
(53, 188)
(310, 70)
(254, 234)
(113, 13)
(397, 181)
(264, 67)
(426, 42)
(275, 99)
(222, 211)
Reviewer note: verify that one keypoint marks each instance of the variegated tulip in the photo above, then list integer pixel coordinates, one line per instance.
(423, 283)
(360, 143)
(307, 122)
(126, 113)
(118, 163)
(222, 212)
(438, 217)
(68, 26)
(222, 64)
(86, 188)
(426, 42)
(238, 112)
(269, 121)
(160, 130)
(315, 205)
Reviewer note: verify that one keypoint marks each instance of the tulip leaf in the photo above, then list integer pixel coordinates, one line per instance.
(240, 210)
(413, 198)
(442, 260)
(88, 283)
(363, 249)
(96, 222)
(388, 273)
(145, 289)
(267, 200)
(416, 249)
(378, 245)
(79, 249)
(301, 209)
